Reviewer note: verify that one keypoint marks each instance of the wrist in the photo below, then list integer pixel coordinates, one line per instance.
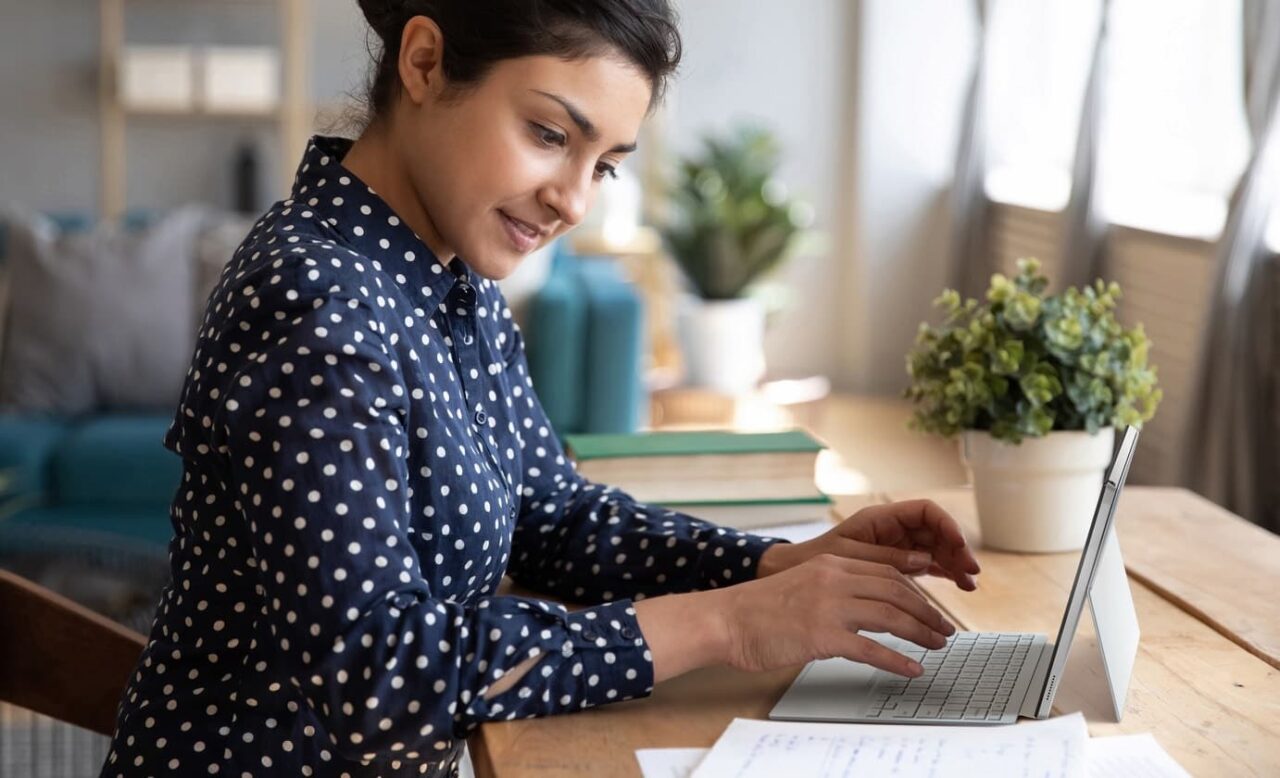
(685, 631)
(775, 559)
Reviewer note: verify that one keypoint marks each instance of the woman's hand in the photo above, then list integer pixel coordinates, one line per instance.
(814, 611)
(914, 537)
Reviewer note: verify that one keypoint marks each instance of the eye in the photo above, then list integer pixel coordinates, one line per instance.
(606, 170)
(547, 136)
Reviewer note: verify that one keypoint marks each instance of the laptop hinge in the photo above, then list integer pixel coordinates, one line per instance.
(1031, 698)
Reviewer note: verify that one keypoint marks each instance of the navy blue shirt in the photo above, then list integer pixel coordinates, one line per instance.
(364, 459)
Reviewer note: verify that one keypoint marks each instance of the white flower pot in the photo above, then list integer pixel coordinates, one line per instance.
(723, 343)
(1038, 496)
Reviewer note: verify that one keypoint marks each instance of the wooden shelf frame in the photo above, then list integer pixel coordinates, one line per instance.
(293, 115)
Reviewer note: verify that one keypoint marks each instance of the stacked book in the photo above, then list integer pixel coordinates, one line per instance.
(741, 480)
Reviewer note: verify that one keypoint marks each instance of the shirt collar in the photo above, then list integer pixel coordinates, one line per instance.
(368, 225)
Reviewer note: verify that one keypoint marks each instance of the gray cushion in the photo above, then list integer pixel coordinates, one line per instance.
(100, 320)
(4, 300)
(221, 237)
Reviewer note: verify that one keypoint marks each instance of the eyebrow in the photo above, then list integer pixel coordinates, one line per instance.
(588, 129)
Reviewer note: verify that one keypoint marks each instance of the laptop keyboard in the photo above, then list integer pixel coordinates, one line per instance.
(971, 678)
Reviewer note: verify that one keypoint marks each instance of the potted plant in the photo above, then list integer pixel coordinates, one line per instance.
(732, 222)
(1035, 385)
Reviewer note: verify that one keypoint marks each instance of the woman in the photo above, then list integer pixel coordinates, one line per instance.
(365, 457)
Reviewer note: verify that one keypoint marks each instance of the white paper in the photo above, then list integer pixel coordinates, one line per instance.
(1131, 756)
(669, 762)
(1052, 748)
(796, 533)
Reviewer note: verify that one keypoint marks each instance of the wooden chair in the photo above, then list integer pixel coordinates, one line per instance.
(61, 659)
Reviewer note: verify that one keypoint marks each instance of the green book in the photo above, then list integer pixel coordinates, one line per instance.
(818, 499)
(689, 443)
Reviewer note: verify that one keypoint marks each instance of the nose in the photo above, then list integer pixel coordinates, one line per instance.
(570, 196)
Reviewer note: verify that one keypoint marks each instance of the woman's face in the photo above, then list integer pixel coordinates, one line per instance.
(516, 160)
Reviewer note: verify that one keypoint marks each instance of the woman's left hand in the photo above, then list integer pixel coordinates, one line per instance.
(914, 536)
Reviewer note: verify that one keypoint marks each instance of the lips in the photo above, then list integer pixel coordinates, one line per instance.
(528, 228)
(522, 235)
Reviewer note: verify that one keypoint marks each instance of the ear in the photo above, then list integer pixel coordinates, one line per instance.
(421, 59)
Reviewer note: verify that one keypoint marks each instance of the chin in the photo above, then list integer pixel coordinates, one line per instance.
(497, 265)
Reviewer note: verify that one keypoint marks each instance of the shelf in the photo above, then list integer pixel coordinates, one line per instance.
(171, 3)
(273, 114)
(292, 114)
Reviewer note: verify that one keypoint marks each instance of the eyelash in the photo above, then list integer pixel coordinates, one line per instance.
(552, 139)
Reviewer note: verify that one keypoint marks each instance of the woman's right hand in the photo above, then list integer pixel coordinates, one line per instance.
(815, 609)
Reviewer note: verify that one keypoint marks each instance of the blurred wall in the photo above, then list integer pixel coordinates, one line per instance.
(864, 96)
(912, 70)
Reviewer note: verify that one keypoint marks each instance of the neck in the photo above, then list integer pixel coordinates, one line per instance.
(375, 160)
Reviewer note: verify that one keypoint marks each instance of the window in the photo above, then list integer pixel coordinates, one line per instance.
(1038, 56)
(1174, 136)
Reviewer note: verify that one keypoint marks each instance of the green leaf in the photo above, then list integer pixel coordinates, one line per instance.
(1023, 363)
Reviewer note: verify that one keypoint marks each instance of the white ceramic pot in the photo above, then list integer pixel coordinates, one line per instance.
(723, 343)
(1038, 496)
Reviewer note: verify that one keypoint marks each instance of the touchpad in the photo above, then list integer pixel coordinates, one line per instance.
(834, 689)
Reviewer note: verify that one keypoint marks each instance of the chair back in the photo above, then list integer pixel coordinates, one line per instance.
(61, 659)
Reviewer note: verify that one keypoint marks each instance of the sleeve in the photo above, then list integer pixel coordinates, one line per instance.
(314, 443)
(584, 541)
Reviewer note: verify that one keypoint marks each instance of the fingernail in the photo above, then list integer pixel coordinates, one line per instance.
(918, 559)
(916, 668)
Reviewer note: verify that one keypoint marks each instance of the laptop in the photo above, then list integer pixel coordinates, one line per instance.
(990, 677)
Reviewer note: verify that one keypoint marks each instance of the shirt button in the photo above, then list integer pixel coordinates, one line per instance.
(481, 417)
(468, 340)
(628, 633)
(590, 633)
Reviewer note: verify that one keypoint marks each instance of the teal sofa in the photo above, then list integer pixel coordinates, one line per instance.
(98, 485)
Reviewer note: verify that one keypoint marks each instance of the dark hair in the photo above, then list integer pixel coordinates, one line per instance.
(480, 33)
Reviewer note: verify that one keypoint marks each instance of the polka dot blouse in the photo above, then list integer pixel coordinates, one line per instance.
(364, 458)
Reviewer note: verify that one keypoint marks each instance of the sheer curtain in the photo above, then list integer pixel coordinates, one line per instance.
(1039, 62)
(1235, 462)
(1084, 227)
(970, 262)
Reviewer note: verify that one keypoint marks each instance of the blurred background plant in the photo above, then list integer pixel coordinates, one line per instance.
(1026, 363)
(732, 220)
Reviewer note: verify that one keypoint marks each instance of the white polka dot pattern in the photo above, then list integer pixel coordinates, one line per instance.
(364, 458)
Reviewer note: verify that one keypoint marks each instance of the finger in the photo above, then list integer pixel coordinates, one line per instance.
(924, 521)
(958, 560)
(906, 598)
(857, 648)
(859, 568)
(927, 518)
(938, 570)
(906, 560)
(964, 581)
(878, 616)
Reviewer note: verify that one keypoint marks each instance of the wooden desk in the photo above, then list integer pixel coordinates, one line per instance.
(1206, 682)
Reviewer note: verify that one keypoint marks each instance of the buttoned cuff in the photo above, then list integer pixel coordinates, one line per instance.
(607, 655)
(731, 557)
